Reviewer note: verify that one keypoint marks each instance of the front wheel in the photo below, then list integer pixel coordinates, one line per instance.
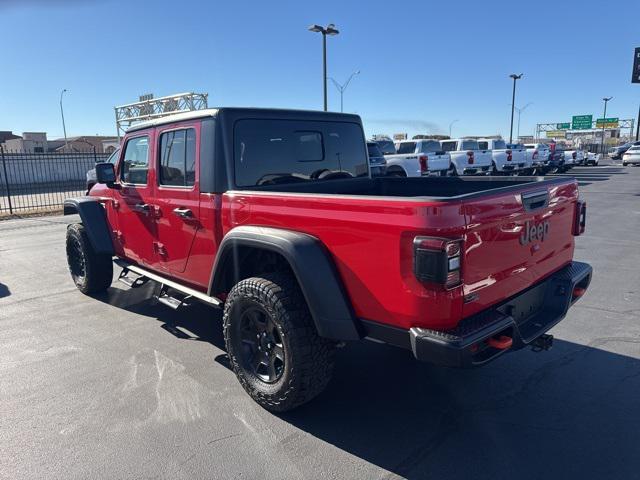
(272, 343)
(91, 272)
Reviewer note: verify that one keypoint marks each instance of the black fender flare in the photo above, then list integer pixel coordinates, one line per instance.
(95, 223)
(313, 267)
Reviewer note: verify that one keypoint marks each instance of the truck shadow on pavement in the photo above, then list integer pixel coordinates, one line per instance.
(571, 412)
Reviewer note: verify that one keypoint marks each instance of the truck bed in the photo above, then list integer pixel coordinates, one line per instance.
(429, 188)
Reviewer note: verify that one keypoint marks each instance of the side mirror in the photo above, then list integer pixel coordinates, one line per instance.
(106, 173)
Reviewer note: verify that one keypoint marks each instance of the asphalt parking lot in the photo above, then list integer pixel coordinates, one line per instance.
(117, 386)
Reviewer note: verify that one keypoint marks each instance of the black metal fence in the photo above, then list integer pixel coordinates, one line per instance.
(39, 182)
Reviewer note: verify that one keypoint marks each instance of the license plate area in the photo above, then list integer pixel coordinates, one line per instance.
(526, 305)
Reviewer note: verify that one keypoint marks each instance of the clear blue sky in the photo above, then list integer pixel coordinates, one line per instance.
(423, 63)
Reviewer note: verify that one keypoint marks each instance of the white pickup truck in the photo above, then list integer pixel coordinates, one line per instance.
(466, 157)
(416, 158)
(539, 154)
(504, 160)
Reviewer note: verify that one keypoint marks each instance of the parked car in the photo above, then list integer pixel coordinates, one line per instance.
(387, 147)
(377, 162)
(556, 162)
(591, 158)
(531, 166)
(272, 217)
(615, 153)
(415, 158)
(540, 153)
(504, 159)
(631, 156)
(572, 158)
(91, 174)
(466, 157)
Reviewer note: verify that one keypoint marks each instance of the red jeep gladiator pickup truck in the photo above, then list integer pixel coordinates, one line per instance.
(272, 215)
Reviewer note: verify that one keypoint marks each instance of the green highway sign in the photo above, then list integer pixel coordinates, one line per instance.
(563, 126)
(581, 122)
(607, 122)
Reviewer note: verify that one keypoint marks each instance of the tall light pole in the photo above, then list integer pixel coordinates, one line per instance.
(513, 102)
(520, 110)
(328, 30)
(343, 87)
(604, 116)
(64, 128)
(451, 125)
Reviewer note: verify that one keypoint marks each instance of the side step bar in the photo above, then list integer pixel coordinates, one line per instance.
(164, 282)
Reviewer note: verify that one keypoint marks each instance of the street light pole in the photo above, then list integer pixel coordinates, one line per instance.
(513, 102)
(64, 128)
(604, 116)
(342, 88)
(520, 110)
(328, 30)
(451, 125)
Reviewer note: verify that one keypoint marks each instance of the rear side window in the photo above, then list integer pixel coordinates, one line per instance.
(406, 147)
(135, 165)
(449, 146)
(271, 152)
(178, 158)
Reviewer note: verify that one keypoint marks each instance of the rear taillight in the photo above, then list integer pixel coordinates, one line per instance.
(424, 163)
(470, 157)
(580, 219)
(509, 155)
(438, 261)
(535, 154)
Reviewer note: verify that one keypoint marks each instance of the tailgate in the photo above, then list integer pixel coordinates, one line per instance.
(515, 239)
(438, 161)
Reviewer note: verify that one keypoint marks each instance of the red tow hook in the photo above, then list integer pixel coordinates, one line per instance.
(501, 343)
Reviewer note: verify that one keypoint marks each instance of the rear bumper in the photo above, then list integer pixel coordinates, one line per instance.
(522, 318)
(476, 170)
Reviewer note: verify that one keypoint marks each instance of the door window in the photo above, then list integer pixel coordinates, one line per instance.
(178, 158)
(135, 166)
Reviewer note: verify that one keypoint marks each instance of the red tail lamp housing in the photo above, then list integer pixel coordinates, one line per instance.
(438, 261)
(580, 218)
(470, 158)
(424, 163)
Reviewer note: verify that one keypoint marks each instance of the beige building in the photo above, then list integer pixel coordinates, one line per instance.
(31, 142)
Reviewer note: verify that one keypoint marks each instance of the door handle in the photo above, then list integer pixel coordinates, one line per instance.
(142, 208)
(183, 212)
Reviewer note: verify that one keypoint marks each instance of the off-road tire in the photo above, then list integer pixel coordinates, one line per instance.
(452, 172)
(309, 359)
(91, 272)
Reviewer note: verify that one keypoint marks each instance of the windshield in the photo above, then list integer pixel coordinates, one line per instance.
(268, 152)
(113, 158)
(373, 149)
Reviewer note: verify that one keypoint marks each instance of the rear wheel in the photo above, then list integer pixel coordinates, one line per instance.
(272, 343)
(494, 169)
(91, 272)
(452, 172)
(397, 172)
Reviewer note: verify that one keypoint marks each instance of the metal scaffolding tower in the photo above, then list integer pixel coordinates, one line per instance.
(149, 108)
